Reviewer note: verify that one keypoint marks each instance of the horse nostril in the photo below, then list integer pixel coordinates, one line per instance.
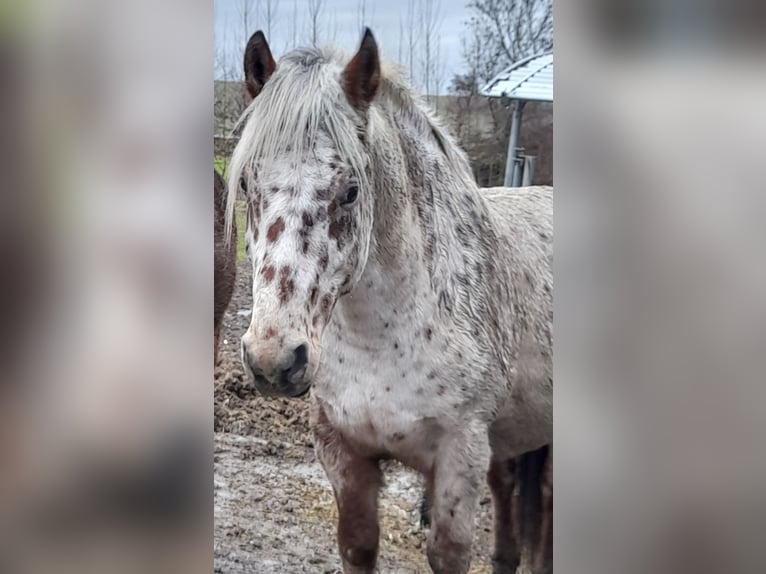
(295, 363)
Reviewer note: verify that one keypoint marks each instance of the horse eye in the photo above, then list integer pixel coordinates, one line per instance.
(352, 191)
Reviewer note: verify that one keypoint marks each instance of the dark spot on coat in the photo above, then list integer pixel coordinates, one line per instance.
(432, 375)
(268, 273)
(398, 436)
(429, 333)
(388, 389)
(271, 332)
(275, 230)
(324, 260)
(286, 285)
(337, 227)
(396, 345)
(325, 307)
(314, 294)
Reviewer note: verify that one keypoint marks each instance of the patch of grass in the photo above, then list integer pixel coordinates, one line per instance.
(221, 164)
(241, 217)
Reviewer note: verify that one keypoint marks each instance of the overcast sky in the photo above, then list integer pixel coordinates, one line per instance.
(341, 20)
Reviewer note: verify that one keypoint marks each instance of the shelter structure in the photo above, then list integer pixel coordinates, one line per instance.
(530, 79)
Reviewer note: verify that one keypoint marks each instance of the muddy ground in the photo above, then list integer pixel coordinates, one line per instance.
(274, 509)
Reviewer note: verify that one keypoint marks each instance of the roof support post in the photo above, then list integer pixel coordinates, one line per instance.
(528, 175)
(511, 165)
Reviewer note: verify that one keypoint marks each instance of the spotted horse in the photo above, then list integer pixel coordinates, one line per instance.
(414, 307)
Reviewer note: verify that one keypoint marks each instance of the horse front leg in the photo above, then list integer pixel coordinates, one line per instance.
(455, 486)
(356, 482)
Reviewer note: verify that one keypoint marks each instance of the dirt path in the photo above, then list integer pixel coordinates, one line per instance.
(274, 509)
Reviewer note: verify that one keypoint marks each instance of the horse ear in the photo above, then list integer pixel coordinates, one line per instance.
(361, 78)
(259, 63)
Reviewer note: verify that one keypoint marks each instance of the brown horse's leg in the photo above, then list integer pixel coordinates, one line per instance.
(458, 475)
(356, 481)
(501, 480)
(545, 555)
(530, 470)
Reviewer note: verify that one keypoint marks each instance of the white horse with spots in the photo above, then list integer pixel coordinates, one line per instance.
(415, 306)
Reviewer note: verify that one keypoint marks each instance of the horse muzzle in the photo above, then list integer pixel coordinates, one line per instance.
(286, 374)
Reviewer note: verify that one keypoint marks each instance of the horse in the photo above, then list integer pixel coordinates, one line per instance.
(225, 260)
(415, 308)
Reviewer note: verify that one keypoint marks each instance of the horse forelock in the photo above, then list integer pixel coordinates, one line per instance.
(302, 101)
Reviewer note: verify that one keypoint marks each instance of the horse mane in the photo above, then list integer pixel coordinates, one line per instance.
(397, 90)
(306, 94)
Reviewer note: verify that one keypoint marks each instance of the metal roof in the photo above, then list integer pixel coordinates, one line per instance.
(530, 79)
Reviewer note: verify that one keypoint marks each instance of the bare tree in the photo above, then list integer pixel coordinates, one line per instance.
(315, 8)
(430, 27)
(361, 13)
(270, 9)
(222, 70)
(294, 24)
(246, 14)
(437, 69)
(505, 31)
(332, 28)
(411, 39)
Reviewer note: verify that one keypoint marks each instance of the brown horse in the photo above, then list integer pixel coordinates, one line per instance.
(225, 256)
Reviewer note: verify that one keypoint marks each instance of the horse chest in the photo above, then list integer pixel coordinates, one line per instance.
(378, 393)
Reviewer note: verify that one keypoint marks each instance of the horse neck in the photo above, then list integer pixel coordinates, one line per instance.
(420, 183)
